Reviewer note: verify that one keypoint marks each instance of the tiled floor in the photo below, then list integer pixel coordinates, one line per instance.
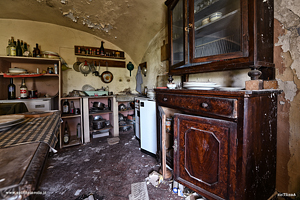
(97, 167)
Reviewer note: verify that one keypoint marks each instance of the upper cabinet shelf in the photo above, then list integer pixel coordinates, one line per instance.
(94, 52)
(21, 59)
(218, 35)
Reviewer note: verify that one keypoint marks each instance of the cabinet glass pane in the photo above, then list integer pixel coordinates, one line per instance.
(177, 33)
(217, 26)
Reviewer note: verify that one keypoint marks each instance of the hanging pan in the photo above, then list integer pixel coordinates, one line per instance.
(107, 76)
(76, 66)
(85, 68)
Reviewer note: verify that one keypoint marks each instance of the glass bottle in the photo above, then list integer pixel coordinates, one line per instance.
(22, 47)
(66, 107)
(34, 52)
(23, 90)
(18, 49)
(12, 47)
(11, 90)
(102, 49)
(37, 51)
(78, 130)
(8, 48)
(66, 134)
(72, 108)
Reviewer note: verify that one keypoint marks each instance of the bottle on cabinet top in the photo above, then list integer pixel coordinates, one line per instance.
(12, 47)
(19, 49)
(102, 49)
(36, 52)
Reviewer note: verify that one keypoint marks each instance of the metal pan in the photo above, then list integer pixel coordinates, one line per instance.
(85, 68)
(107, 76)
(76, 66)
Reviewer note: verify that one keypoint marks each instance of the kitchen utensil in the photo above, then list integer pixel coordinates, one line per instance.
(88, 87)
(97, 117)
(130, 67)
(98, 124)
(16, 70)
(215, 16)
(50, 54)
(122, 107)
(121, 117)
(85, 68)
(32, 93)
(76, 66)
(96, 72)
(98, 105)
(107, 76)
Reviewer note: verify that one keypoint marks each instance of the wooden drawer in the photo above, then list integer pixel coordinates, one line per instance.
(199, 104)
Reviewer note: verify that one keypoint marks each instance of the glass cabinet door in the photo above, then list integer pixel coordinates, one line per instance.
(178, 34)
(216, 29)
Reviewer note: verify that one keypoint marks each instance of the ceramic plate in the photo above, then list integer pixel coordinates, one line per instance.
(230, 88)
(198, 84)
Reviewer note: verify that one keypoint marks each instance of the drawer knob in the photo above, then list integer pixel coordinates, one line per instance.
(165, 99)
(204, 105)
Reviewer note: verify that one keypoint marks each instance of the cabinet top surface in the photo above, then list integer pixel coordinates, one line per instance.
(238, 93)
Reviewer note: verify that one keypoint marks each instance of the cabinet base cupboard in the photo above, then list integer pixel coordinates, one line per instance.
(224, 141)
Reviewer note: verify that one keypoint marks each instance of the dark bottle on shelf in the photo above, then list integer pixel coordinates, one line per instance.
(66, 107)
(19, 49)
(23, 90)
(36, 52)
(66, 134)
(102, 53)
(11, 90)
(72, 108)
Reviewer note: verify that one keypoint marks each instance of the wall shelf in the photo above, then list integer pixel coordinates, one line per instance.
(109, 53)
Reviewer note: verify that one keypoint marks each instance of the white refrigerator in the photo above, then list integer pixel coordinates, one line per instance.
(148, 136)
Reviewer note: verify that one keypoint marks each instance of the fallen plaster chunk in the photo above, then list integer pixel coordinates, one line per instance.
(154, 178)
(77, 192)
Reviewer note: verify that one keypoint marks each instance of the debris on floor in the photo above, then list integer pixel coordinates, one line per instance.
(90, 197)
(154, 178)
(139, 191)
(114, 140)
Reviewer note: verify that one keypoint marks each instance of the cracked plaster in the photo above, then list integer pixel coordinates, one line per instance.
(287, 12)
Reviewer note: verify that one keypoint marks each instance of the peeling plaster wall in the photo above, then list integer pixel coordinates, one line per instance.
(287, 12)
(156, 69)
(62, 40)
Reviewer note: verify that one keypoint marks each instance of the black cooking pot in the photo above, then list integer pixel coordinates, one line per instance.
(98, 124)
(98, 105)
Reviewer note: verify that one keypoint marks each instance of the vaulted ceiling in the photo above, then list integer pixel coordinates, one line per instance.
(129, 24)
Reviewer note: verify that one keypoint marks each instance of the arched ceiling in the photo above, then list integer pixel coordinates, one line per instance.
(129, 24)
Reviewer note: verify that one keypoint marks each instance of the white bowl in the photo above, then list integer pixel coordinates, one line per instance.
(171, 85)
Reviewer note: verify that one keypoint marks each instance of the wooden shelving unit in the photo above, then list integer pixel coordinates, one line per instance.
(72, 120)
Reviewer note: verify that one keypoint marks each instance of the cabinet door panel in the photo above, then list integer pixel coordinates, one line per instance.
(205, 154)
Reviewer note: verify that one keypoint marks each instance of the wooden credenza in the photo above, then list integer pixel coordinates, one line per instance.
(224, 141)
